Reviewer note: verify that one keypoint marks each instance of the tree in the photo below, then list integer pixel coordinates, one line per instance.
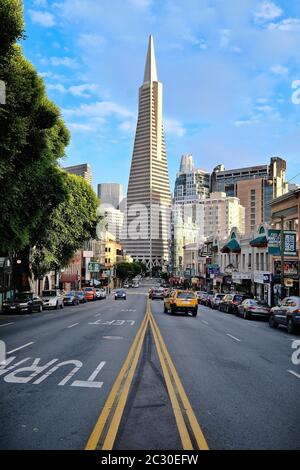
(126, 270)
(32, 139)
(72, 223)
(11, 25)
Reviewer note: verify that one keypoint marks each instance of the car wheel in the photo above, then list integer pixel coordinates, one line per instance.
(290, 326)
(165, 309)
(56, 306)
(195, 312)
(272, 322)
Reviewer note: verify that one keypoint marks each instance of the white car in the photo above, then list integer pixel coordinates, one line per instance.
(53, 299)
(98, 293)
(103, 293)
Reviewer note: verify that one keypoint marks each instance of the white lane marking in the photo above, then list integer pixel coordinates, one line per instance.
(294, 373)
(71, 326)
(233, 337)
(21, 347)
(98, 314)
(205, 322)
(90, 381)
(6, 324)
(113, 337)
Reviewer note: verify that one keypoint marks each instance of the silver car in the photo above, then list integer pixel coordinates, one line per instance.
(53, 299)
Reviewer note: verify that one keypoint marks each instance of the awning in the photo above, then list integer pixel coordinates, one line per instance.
(261, 241)
(232, 246)
(69, 278)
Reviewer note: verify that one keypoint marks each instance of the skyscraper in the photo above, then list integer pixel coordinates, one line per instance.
(83, 170)
(110, 193)
(191, 184)
(149, 196)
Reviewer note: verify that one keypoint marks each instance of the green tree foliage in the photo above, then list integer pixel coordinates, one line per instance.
(11, 25)
(128, 270)
(32, 139)
(72, 223)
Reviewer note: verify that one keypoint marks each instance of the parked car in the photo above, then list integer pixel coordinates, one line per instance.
(230, 302)
(181, 301)
(23, 302)
(53, 298)
(199, 294)
(204, 298)
(71, 298)
(286, 314)
(90, 293)
(216, 299)
(98, 293)
(157, 294)
(102, 293)
(120, 294)
(209, 300)
(80, 295)
(126, 285)
(253, 308)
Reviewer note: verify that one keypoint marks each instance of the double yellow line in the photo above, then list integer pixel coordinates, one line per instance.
(107, 425)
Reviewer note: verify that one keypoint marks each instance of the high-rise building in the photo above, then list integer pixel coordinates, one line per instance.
(221, 213)
(149, 196)
(191, 184)
(110, 193)
(255, 186)
(83, 170)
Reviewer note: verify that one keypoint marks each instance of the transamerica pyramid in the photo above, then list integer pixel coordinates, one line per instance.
(149, 196)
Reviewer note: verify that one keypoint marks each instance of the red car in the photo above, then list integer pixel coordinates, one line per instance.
(90, 293)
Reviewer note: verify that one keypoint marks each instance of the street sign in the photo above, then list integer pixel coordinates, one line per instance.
(94, 267)
(274, 242)
(290, 243)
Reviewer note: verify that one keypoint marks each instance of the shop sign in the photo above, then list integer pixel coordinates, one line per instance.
(274, 242)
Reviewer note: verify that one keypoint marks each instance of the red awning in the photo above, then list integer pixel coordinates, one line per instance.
(69, 278)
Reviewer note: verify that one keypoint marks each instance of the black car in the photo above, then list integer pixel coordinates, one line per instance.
(23, 302)
(120, 294)
(230, 302)
(286, 314)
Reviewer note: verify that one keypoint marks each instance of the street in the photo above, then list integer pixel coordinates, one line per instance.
(237, 375)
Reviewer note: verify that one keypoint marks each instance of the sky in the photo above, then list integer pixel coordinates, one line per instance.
(230, 72)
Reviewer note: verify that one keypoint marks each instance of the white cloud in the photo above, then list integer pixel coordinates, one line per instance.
(289, 24)
(57, 87)
(64, 61)
(268, 11)
(141, 3)
(127, 126)
(92, 40)
(81, 127)
(42, 18)
(174, 127)
(225, 37)
(99, 109)
(280, 70)
(84, 91)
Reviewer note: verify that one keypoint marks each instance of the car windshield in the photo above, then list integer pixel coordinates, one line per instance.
(49, 293)
(238, 297)
(185, 295)
(120, 292)
(79, 293)
(23, 296)
(89, 289)
(220, 296)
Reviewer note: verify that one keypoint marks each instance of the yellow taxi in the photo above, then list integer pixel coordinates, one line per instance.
(181, 301)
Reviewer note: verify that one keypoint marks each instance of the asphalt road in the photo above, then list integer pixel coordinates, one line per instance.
(235, 373)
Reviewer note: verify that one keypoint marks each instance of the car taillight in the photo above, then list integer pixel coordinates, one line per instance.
(235, 302)
(297, 311)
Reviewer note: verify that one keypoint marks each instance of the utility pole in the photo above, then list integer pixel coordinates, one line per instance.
(282, 256)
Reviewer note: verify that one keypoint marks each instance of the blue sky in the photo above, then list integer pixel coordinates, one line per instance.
(227, 66)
